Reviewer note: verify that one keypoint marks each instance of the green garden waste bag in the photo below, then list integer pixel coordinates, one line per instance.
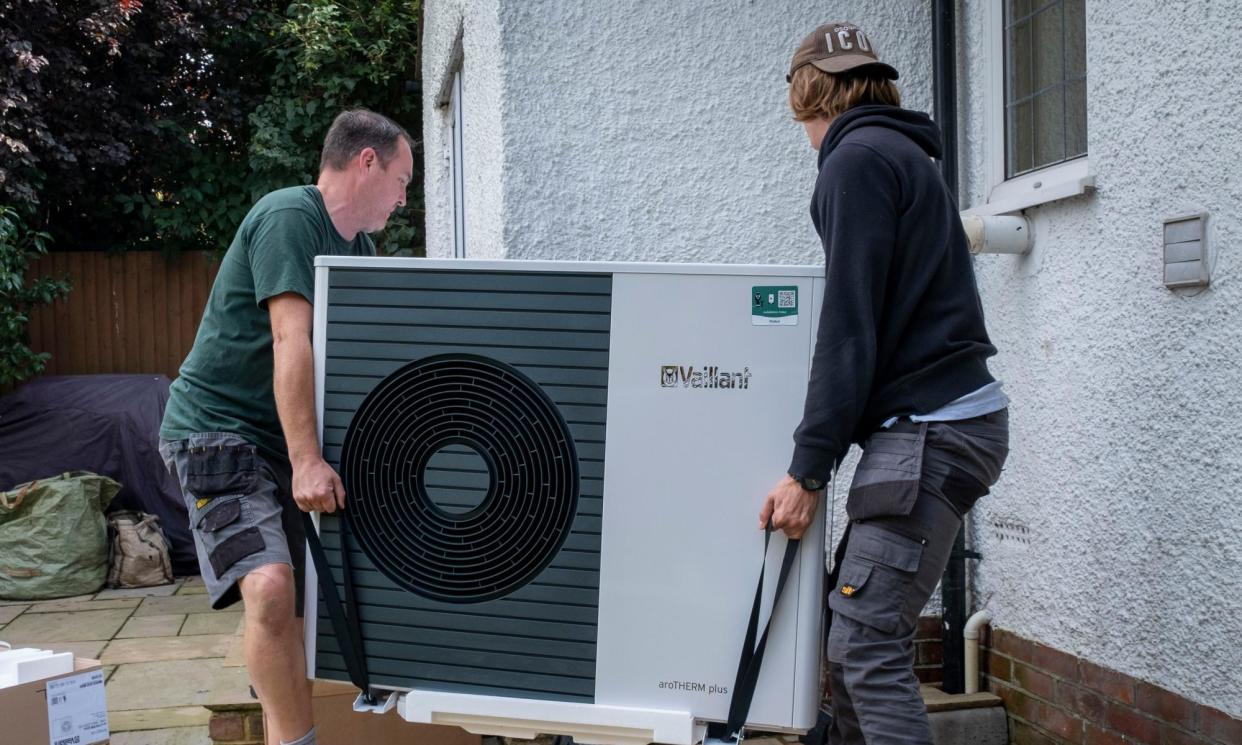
(53, 536)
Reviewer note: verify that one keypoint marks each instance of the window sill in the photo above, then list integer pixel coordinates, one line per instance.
(1046, 185)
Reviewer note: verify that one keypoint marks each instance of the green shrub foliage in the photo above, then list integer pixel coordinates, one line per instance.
(19, 295)
(157, 123)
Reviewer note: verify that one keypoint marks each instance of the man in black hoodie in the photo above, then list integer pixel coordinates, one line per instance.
(899, 368)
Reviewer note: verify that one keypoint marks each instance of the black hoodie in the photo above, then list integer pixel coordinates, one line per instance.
(901, 330)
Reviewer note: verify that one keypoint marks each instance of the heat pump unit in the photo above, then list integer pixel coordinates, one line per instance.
(554, 472)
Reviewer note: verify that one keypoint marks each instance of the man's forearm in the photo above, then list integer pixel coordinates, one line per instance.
(293, 380)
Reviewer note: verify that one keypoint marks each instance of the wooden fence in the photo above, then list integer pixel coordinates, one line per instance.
(131, 313)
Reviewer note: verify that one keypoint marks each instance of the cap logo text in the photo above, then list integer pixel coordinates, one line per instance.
(843, 42)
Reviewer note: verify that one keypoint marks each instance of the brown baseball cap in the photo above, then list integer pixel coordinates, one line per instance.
(837, 48)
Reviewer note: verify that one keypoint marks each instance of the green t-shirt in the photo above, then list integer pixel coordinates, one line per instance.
(225, 384)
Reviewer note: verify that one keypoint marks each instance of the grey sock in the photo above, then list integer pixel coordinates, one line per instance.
(306, 739)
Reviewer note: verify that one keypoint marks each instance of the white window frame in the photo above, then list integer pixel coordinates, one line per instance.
(1068, 179)
(457, 167)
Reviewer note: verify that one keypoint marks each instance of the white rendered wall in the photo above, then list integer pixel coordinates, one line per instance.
(1126, 396)
(661, 131)
(466, 33)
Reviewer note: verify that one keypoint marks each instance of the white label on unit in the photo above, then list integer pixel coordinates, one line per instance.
(77, 713)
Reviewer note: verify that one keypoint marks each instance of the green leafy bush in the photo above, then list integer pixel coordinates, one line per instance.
(335, 55)
(318, 58)
(19, 245)
(159, 123)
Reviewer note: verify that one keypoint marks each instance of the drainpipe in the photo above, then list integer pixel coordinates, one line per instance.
(944, 81)
(944, 69)
(970, 635)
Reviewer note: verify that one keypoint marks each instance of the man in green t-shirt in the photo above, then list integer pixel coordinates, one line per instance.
(240, 430)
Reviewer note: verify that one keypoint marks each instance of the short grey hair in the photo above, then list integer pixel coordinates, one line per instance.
(357, 129)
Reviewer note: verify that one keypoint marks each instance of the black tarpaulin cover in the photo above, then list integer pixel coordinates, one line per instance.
(107, 424)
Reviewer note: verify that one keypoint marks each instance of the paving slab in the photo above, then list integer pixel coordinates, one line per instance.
(151, 626)
(48, 628)
(14, 601)
(219, 622)
(192, 586)
(236, 656)
(89, 650)
(178, 736)
(9, 612)
(139, 592)
(122, 651)
(156, 685)
(175, 604)
(167, 718)
(74, 606)
(937, 700)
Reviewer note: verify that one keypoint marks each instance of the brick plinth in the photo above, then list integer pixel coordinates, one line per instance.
(236, 724)
(1055, 698)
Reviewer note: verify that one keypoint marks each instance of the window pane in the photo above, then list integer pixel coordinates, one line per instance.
(1045, 83)
(1075, 39)
(1049, 127)
(1020, 129)
(1048, 49)
(1076, 119)
(1020, 61)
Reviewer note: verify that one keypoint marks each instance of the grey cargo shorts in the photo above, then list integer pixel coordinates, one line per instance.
(241, 508)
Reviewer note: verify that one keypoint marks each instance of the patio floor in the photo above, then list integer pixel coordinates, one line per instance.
(165, 654)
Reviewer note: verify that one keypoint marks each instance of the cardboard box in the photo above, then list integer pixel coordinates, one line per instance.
(78, 705)
(336, 723)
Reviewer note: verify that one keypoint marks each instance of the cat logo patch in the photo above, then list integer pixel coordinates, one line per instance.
(848, 590)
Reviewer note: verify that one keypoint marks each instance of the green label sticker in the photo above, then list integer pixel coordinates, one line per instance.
(774, 306)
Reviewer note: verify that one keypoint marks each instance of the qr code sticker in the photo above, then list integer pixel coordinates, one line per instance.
(787, 299)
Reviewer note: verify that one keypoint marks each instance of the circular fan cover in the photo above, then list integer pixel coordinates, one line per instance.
(439, 404)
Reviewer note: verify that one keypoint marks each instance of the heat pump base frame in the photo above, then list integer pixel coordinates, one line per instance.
(591, 724)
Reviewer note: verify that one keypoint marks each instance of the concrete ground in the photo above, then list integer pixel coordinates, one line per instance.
(165, 654)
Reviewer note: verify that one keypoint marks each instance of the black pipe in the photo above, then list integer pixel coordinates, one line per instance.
(944, 80)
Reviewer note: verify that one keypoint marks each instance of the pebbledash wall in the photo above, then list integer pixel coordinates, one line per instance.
(660, 131)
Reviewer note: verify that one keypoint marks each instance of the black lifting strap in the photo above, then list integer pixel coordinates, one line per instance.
(346, 628)
(752, 656)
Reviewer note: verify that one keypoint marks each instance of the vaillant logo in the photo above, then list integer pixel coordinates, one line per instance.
(710, 376)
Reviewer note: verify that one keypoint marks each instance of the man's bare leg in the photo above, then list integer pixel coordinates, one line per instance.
(275, 658)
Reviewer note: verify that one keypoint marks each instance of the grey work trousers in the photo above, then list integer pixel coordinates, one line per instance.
(911, 488)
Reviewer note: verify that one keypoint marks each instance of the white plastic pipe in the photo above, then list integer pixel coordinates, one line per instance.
(970, 653)
(1001, 234)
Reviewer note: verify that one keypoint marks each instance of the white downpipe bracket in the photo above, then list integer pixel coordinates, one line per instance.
(1004, 234)
(970, 634)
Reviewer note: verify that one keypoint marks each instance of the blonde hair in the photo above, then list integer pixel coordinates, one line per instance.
(814, 93)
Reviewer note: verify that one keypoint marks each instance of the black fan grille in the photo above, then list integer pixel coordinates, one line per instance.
(521, 523)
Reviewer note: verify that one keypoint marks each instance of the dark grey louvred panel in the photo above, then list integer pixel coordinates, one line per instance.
(536, 640)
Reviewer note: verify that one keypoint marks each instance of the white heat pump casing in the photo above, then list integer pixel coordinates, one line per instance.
(686, 469)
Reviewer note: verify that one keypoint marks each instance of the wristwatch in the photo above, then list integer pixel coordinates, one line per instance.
(807, 482)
